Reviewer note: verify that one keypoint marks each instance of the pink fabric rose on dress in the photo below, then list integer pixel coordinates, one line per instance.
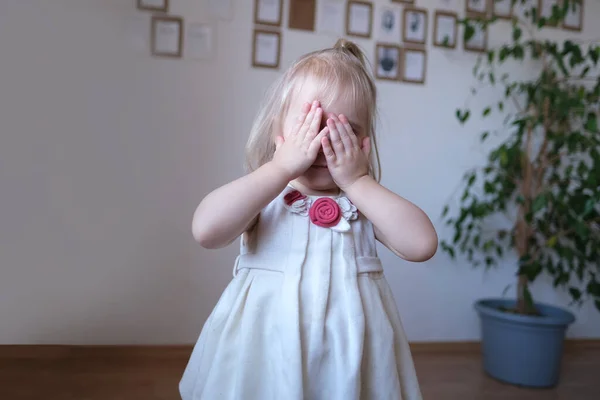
(296, 202)
(325, 212)
(293, 196)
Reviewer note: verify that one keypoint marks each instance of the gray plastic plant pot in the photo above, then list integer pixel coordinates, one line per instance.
(522, 350)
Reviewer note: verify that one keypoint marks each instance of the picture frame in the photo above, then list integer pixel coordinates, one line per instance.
(414, 65)
(359, 18)
(153, 5)
(166, 38)
(573, 21)
(414, 25)
(388, 24)
(268, 13)
(388, 61)
(477, 7)
(545, 10)
(266, 49)
(445, 29)
(199, 40)
(478, 43)
(503, 9)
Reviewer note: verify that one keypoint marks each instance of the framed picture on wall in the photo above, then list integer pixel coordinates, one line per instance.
(388, 62)
(153, 5)
(574, 19)
(414, 65)
(445, 29)
(478, 42)
(502, 9)
(266, 49)
(477, 7)
(268, 12)
(388, 24)
(545, 9)
(359, 18)
(414, 25)
(167, 36)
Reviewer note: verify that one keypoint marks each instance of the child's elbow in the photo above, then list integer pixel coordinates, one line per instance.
(204, 237)
(430, 246)
(427, 249)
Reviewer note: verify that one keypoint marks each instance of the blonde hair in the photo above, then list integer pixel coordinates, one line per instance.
(342, 66)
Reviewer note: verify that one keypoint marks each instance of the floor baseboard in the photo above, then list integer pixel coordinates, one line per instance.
(175, 351)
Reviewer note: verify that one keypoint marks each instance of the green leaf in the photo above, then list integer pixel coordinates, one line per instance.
(484, 136)
(463, 116)
(448, 249)
(539, 202)
(575, 293)
(585, 71)
(501, 106)
(519, 52)
(594, 54)
(591, 125)
(487, 111)
(492, 78)
(593, 288)
(471, 179)
(552, 241)
(561, 279)
(469, 32)
(589, 207)
(445, 211)
(517, 32)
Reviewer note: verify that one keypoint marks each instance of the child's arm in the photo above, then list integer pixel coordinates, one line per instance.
(399, 225)
(230, 210)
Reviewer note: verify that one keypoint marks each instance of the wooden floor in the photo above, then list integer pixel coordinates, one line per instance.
(108, 373)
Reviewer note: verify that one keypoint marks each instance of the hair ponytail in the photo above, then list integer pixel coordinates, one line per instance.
(351, 48)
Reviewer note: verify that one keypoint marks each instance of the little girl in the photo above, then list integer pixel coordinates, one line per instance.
(309, 314)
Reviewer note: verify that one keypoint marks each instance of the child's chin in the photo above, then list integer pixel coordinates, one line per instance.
(319, 180)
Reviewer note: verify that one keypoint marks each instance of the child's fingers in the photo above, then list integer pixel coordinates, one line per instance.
(328, 150)
(334, 137)
(366, 146)
(308, 120)
(315, 124)
(344, 136)
(349, 130)
(314, 146)
(306, 107)
(278, 142)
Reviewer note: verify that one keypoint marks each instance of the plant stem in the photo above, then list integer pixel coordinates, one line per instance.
(522, 228)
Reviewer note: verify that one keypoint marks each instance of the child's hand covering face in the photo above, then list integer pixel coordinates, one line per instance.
(347, 157)
(299, 149)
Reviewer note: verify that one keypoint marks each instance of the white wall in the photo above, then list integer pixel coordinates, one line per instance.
(105, 152)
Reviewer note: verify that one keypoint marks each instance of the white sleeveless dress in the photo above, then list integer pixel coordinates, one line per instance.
(308, 314)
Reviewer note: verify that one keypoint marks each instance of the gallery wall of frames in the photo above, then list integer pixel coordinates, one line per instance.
(401, 31)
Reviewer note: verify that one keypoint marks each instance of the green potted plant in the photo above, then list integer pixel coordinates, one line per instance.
(537, 198)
